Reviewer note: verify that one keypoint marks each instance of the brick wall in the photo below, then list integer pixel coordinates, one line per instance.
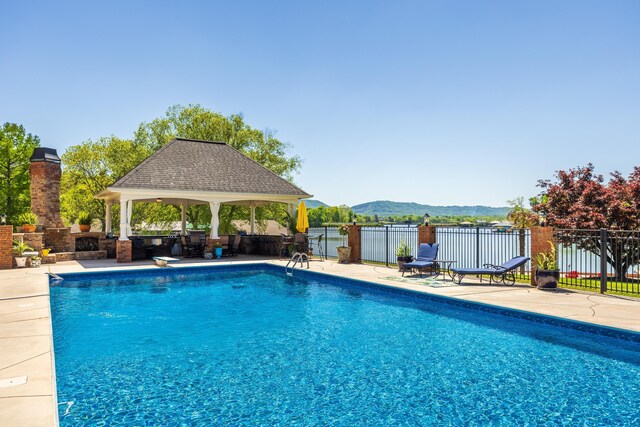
(123, 250)
(540, 238)
(45, 192)
(426, 234)
(355, 243)
(6, 247)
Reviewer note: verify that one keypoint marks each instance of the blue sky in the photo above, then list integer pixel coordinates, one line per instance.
(437, 102)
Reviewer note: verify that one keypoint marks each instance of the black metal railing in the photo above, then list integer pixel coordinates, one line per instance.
(599, 260)
(379, 244)
(476, 246)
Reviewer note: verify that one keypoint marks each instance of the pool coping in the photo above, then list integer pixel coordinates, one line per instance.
(30, 284)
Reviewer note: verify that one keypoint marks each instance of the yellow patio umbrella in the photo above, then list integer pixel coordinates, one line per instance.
(303, 219)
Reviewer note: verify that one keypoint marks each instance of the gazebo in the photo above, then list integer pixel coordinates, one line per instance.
(193, 172)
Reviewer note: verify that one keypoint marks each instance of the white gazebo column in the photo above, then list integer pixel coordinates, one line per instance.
(107, 216)
(215, 221)
(183, 219)
(252, 218)
(124, 225)
(129, 214)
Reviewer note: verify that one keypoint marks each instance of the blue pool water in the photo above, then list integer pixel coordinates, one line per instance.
(253, 347)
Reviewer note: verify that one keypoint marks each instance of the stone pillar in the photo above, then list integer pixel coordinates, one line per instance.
(6, 247)
(45, 173)
(540, 238)
(426, 234)
(354, 242)
(123, 250)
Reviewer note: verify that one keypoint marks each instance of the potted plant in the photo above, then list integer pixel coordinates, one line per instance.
(344, 252)
(218, 250)
(36, 261)
(547, 273)
(403, 252)
(20, 248)
(84, 221)
(29, 220)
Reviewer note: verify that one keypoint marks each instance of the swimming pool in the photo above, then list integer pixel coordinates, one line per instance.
(250, 346)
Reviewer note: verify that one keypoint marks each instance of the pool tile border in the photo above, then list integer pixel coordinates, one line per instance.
(577, 325)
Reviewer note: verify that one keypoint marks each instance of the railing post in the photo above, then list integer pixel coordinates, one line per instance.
(540, 238)
(326, 240)
(477, 247)
(355, 242)
(603, 260)
(386, 245)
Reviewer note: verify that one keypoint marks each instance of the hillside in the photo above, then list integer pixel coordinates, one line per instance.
(314, 203)
(389, 208)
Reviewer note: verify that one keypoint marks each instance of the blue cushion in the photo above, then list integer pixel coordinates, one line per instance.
(427, 252)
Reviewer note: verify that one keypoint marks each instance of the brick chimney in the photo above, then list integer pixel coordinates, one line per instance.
(45, 186)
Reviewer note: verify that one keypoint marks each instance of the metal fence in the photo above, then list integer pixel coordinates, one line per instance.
(476, 246)
(599, 260)
(379, 244)
(579, 259)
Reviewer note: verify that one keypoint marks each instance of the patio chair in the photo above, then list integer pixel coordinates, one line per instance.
(191, 246)
(504, 273)
(234, 245)
(224, 242)
(285, 242)
(427, 253)
(300, 243)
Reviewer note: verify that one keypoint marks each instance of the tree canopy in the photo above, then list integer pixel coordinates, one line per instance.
(581, 199)
(16, 147)
(93, 165)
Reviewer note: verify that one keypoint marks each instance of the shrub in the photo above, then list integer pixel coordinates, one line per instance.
(84, 218)
(547, 260)
(28, 218)
(404, 250)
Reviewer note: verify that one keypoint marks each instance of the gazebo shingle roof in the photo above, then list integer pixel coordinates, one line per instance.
(194, 165)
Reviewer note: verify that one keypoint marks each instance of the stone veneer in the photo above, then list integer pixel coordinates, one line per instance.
(45, 191)
(124, 251)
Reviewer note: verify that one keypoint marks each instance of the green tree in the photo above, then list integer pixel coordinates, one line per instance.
(92, 166)
(16, 147)
(520, 216)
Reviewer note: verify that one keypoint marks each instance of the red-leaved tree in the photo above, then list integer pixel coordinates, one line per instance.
(581, 199)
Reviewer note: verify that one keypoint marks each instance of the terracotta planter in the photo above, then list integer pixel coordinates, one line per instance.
(85, 228)
(547, 279)
(28, 228)
(343, 254)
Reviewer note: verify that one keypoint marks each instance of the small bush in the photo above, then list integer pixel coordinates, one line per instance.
(28, 218)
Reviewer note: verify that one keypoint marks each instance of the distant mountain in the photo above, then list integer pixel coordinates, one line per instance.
(388, 208)
(314, 203)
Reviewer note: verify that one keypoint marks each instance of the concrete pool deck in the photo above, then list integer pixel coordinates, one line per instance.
(26, 341)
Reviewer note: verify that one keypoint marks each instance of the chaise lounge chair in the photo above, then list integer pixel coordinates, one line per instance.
(425, 260)
(503, 273)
